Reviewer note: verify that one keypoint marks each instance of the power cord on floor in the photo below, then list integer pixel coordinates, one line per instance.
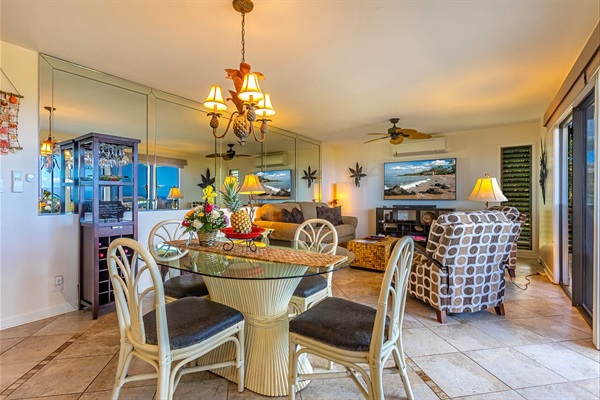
(68, 299)
(526, 278)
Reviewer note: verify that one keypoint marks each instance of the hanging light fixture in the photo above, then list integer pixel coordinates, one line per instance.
(48, 147)
(248, 98)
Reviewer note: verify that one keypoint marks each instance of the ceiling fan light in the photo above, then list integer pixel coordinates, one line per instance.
(214, 101)
(250, 91)
(265, 108)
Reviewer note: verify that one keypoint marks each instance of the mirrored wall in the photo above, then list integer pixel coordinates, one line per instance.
(177, 148)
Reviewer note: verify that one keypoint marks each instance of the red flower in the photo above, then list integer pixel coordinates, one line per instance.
(208, 207)
(185, 223)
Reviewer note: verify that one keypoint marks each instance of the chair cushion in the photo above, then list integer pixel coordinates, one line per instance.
(185, 285)
(192, 320)
(337, 322)
(310, 285)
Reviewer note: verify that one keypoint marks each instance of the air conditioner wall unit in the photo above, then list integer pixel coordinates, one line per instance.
(271, 160)
(408, 148)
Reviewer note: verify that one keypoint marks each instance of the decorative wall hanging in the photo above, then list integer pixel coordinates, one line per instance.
(309, 176)
(543, 171)
(357, 174)
(9, 120)
(206, 180)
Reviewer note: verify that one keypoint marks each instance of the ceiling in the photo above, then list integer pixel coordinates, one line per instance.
(335, 69)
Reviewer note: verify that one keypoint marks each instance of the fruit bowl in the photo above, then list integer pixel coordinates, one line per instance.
(229, 233)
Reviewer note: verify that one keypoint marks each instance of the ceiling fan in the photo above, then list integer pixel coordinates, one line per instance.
(228, 155)
(397, 135)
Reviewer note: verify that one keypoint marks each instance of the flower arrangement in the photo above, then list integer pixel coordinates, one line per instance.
(49, 203)
(207, 217)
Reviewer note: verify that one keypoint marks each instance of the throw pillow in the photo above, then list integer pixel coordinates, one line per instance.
(298, 216)
(286, 216)
(333, 215)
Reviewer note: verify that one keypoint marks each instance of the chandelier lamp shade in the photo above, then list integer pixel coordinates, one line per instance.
(250, 101)
(487, 189)
(47, 146)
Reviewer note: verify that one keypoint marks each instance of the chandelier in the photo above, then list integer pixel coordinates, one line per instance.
(251, 103)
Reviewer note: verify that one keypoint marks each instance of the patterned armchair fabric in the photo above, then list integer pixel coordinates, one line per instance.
(462, 269)
(514, 215)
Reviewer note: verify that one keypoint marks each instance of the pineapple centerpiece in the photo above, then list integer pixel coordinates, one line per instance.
(240, 220)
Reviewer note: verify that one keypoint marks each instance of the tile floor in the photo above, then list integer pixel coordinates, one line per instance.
(540, 350)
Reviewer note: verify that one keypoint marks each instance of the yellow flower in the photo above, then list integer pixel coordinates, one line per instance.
(209, 195)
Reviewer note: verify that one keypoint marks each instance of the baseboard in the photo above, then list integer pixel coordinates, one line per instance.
(35, 315)
(547, 270)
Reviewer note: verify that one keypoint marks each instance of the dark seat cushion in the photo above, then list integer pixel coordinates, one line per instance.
(191, 320)
(310, 285)
(337, 322)
(185, 286)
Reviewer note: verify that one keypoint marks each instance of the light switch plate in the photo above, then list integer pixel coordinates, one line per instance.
(17, 181)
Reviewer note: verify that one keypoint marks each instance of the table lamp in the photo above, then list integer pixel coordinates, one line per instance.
(175, 195)
(251, 186)
(487, 189)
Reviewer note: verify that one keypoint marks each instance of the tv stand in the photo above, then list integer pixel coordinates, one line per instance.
(414, 221)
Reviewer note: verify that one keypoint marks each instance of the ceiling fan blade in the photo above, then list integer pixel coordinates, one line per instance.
(373, 140)
(385, 134)
(405, 131)
(214, 155)
(419, 135)
(397, 141)
(243, 155)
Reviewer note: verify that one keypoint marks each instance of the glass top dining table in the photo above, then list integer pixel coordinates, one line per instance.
(267, 262)
(259, 284)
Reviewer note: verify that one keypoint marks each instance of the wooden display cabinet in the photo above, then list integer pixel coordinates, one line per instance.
(108, 209)
(414, 221)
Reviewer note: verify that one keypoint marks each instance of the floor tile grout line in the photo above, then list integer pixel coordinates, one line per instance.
(426, 379)
(38, 367)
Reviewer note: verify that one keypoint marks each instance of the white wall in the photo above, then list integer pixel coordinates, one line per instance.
(477, 153)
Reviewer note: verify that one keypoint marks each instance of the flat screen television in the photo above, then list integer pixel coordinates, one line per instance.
(277, 184)
(420, 180)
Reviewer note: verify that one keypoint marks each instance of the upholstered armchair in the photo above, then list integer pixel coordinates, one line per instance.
(462, 268)
(514, 215)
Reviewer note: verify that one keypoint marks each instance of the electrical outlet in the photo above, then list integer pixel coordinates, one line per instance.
(58, 282)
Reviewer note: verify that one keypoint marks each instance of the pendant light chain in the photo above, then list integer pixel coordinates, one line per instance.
(243, 37)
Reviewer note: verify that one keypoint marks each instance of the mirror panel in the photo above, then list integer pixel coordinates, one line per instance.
(308, 155)
(174, 133)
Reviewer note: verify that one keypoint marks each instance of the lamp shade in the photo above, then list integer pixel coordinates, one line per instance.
(250, 91)
(47, 147)
(487, 189)
(174, 193)
(214, 101)
(251, 185)
(229, 179)
(264, 107)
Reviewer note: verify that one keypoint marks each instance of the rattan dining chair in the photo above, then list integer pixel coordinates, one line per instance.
(320, 236)
(171, 335)
(358, 335)
(176, 285)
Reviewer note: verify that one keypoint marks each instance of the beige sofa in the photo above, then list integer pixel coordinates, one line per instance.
(269, 216)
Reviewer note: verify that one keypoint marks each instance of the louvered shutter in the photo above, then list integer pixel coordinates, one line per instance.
(516, 186)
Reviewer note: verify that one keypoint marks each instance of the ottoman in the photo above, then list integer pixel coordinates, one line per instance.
(372, 254)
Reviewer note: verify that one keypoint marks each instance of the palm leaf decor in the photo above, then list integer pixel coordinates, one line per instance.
(206, 180)
(357, 174)
(309, 176)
